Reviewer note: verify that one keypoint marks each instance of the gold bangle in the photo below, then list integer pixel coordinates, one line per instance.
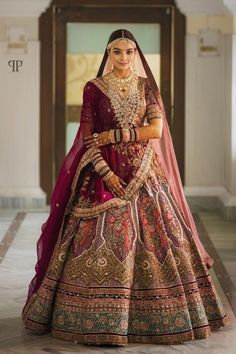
(100, 165)
(111, 136)
(108, 175)
(125, 135)
(104, 171)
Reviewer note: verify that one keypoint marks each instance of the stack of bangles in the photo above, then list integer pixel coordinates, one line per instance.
(123, 135)
(100, 166)
(115, 136)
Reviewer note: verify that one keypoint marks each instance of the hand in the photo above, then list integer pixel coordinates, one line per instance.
(99, 140)
(114, 183)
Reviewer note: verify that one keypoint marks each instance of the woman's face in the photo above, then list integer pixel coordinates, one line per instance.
(122, 55)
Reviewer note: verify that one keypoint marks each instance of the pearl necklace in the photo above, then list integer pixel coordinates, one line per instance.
(123, 84)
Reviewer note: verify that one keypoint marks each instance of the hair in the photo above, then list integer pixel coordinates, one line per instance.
(121, 33)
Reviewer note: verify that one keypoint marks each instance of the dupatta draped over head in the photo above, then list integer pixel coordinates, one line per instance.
(62, 190)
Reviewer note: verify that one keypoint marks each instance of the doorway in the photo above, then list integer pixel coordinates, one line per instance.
(73, 37)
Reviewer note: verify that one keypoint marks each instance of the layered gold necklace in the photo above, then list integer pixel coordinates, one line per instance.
(124, 98)
(123, 84)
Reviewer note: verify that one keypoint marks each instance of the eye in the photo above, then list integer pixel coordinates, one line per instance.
(129, 52)
(116, 52)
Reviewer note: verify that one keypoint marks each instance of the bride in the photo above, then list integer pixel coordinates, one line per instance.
(119, 258)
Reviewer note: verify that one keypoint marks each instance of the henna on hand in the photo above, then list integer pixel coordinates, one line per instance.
(114, 183)
(100, 140)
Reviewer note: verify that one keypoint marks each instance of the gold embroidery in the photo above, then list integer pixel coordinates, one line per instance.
(98, 266)
(129, 111)
(86, 158)
(132, 187)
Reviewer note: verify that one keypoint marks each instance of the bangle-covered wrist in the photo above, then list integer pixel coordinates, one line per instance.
(123, 135)
(100, 165)
(108, 175)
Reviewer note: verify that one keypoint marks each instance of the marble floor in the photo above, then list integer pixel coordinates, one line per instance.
(19, 231)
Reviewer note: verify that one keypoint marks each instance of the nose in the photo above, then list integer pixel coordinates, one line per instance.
(123, 56)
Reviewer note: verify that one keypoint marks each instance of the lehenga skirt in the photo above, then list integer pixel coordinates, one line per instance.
(130, 274)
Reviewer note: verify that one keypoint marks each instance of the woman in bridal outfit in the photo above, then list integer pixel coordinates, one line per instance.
(119, 257)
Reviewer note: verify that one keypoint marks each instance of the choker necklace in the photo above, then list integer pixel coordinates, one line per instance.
(123, 84)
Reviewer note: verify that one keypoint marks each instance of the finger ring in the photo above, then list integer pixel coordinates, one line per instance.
(95, 135)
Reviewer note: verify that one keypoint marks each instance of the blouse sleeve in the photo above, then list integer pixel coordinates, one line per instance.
(153, 109)
(88, 110)
(88, 114)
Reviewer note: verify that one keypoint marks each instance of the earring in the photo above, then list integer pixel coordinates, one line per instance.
(110, 65)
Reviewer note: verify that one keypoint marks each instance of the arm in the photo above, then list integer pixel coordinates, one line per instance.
(151, 131)
(87, 126)
(87, 111)
(154, 117)
(113, 181)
